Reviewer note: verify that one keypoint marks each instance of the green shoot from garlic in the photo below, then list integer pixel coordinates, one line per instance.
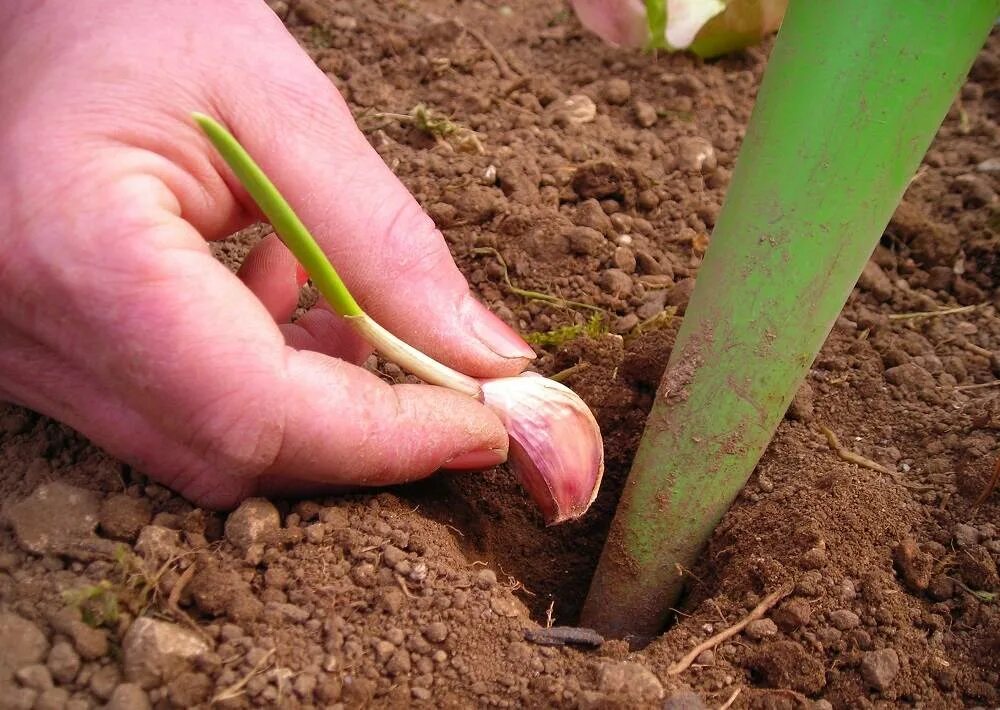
(555, 445)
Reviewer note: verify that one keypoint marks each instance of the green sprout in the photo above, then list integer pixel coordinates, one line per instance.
(303, 246)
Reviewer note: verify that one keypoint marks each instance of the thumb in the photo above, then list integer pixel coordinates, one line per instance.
(387, 250)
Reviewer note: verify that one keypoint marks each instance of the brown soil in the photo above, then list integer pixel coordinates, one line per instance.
(422, 595)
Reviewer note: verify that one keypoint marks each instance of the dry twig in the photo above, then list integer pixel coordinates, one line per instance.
(848, 455)
(502, 64)
(711, 642)
(931, 314)
(236, 689)
(732, 699)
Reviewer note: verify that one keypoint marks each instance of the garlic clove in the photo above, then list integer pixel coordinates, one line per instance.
(556, 450)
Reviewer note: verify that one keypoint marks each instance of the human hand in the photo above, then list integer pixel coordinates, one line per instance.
(115, 318)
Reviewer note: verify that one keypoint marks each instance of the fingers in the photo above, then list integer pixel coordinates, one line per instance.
(210, 398)
(324, 332)
(272, 274)
(387, 250)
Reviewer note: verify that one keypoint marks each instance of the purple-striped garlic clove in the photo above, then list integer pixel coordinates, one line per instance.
(556, 450)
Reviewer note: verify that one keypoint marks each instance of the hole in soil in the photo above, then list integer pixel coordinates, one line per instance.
(494, 519)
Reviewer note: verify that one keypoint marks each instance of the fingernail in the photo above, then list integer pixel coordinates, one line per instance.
(497, 335)
(487, 458)
(301, 276)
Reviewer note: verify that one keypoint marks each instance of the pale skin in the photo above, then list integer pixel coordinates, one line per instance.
(116, 319)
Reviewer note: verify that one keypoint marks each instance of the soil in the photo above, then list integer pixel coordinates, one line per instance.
(596, 175)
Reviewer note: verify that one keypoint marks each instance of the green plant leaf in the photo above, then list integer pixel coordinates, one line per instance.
(656, 20)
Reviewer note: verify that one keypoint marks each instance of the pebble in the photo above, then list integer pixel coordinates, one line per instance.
(880, 668)
(696, 155)
(645, 114)
(256, 520)
(63, 662)
(616, 282)
(965, 535)
(590, 214)
(632, 680)
(104, 681)
(122, 517)
(577, 110)
(624, 259)
(990, 165)
(315, 533)
(616, 91)
(684, 700)
(761, 629)
(802, 407)
(626, 323)
(486, 578)
(34, 676)
(647, 264)
(844, 619)
(585, 241)
(156, 651)
(680, 294)
(792, 614)
(128, 696)
(157, 544)
(874, 280)
(23, 642)
(52, 699)
(652, 304)
(436, 632)
(59, 519)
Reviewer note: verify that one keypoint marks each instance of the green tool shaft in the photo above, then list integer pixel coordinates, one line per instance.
(852, 96)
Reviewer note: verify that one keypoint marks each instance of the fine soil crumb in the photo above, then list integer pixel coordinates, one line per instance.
(598, 179)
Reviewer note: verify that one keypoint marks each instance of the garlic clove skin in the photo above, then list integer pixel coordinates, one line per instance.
(556, 450)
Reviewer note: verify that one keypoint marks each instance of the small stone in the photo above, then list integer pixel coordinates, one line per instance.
(616, 91)
(52, 699)
(645, 114)
(104, 681)
(157, 651)
(256, 520)
(505, 606)
(624, 259)
(23, 642)
(965, 535)
(59, 519)
(590, 214)
(880, 668)
(616, 282)
(684, 700)
(392, 556)
(632, 680)
(793, 614)
(647, 264)
(18, 698)
(914, 566)
(760, 629)
(626, 323)
(189, 689)
(680, 294)
(844, 619)
(705, 658)
(157, 544)
(876, 282)
(585, 241)
(122, 517)
(315, 533)
(128, 696)
(63, 662)
(696, 155)
(577, 110)
(486, 578)
(436, 632)
(399, 663)
(990, 165)
(802, 408)
(910, 374)
(34, 676)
